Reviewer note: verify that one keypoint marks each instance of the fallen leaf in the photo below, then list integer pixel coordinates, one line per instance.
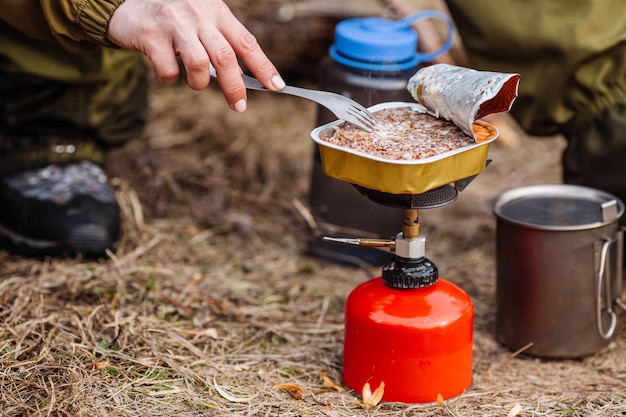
(515, 410)
(182, 309)
(440, 400)
(98, 365)
(295, 391)
(191, 230)
(114, 301)
(231, 397)
(372, 399)
(329, 383)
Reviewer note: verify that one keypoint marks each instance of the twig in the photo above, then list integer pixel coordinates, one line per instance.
(522, 349)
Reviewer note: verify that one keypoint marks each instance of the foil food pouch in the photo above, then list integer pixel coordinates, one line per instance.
(462, 95)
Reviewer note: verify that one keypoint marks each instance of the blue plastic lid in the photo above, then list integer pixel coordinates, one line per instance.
(378, 44)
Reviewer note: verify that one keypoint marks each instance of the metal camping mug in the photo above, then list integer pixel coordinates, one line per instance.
(559, 258)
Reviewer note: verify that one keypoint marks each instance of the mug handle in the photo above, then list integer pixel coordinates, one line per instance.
(609, 309)
(430, 14)
(618, 300)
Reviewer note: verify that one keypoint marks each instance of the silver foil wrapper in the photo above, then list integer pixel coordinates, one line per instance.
(461, 94)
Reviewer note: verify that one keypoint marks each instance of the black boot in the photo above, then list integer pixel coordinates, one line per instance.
(59, 210)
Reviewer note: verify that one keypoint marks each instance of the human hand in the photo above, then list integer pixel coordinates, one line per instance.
(201, 33)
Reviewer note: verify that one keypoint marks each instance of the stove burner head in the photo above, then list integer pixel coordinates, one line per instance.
(437, 197)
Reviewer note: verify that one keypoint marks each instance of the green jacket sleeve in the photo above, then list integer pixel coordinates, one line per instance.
(76, 25)
(571, 55)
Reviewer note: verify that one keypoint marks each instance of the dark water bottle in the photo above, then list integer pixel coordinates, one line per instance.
(370, 61)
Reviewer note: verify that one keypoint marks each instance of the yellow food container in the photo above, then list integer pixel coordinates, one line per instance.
(414, 176)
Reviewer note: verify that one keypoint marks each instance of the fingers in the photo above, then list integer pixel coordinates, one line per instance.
(196, 61)
(165, 64)
(134, 25)
(200, 33)
(246, 46)
(224, 59)
(228, 72)
(226, 41)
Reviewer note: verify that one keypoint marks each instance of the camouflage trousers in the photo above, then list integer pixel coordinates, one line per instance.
(59, 107)
(596, 154)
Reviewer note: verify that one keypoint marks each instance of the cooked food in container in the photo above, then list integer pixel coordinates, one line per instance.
(414, 148)
(403, 176)
(402, 133)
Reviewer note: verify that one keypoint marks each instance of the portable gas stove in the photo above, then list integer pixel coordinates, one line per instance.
(408, 328)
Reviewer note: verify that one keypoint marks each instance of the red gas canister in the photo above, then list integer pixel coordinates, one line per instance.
(418, 341)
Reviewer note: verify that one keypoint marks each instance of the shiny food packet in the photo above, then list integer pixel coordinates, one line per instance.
(461, 94)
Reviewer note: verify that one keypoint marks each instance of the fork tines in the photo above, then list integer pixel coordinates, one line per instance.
(368, 121)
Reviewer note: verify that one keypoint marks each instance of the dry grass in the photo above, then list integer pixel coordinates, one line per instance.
(211, 300)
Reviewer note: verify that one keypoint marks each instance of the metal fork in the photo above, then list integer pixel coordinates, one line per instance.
(342, 106)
